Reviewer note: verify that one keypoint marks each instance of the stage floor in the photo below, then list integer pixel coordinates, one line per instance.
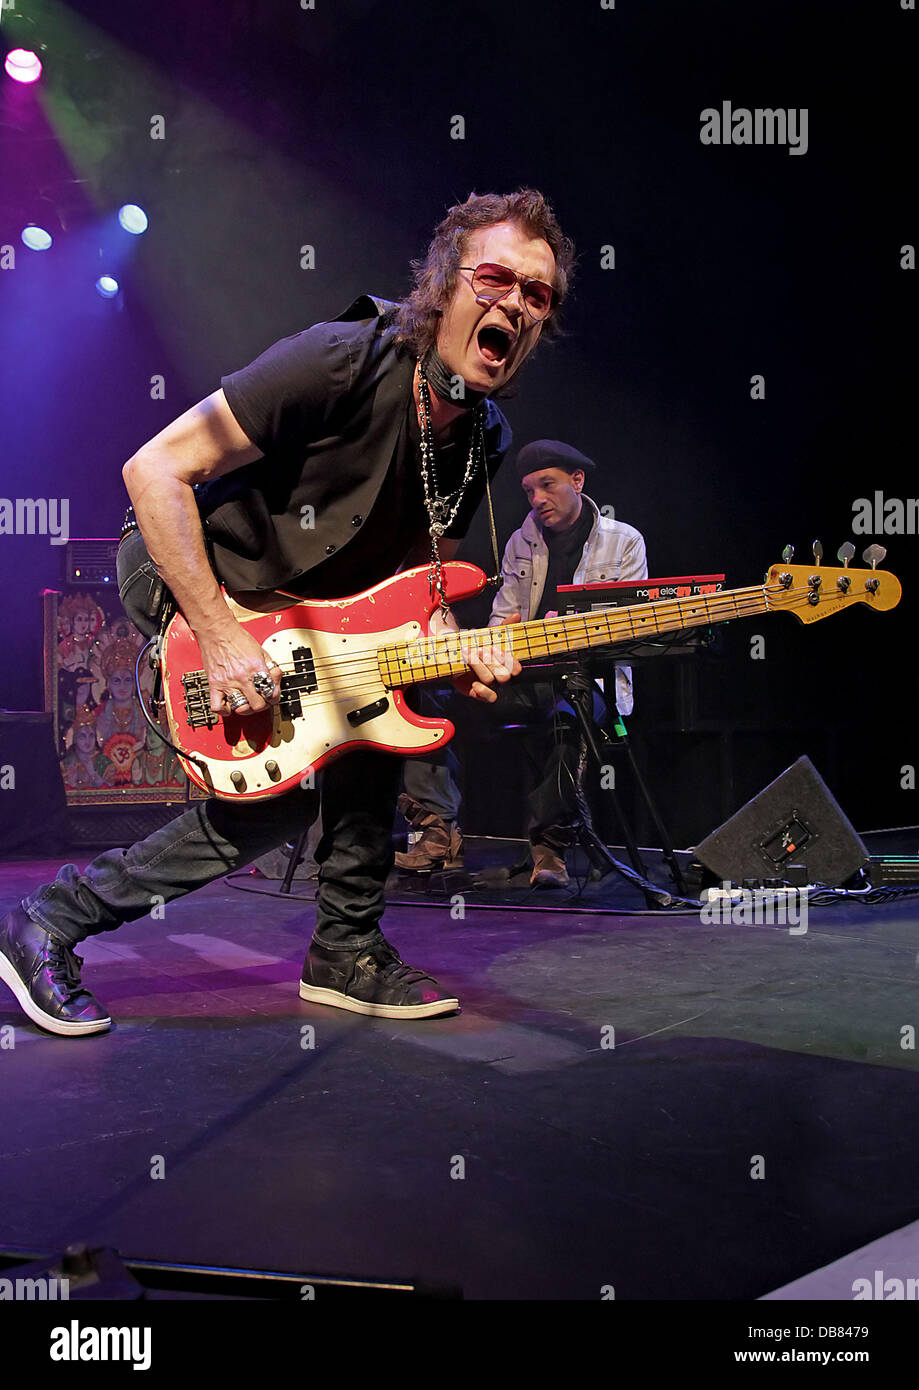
(738, 1050)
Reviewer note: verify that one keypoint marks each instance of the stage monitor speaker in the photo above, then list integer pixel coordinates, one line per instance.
(794, 820)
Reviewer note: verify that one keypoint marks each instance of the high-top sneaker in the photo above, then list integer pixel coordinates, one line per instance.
(371, 980)
(44, 975)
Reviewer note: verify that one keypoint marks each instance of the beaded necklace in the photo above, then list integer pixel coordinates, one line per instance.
(442, 508)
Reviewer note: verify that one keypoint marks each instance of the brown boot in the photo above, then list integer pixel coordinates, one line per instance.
(440, 845)
(548, 867)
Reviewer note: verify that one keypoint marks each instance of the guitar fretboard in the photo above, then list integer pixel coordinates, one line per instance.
(433, 658)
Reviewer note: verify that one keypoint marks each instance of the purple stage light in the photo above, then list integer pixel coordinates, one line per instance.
(107, 286)
(133, 219)
(22, 65)
(36, 238)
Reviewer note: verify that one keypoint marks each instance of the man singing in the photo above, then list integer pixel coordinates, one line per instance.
(377, 429)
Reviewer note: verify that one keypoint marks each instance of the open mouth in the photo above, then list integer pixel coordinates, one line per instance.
(494, 343)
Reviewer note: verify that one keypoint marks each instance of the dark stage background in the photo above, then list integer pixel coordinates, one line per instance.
(331, 128)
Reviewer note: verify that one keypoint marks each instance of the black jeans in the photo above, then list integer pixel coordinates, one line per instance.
(356, 795)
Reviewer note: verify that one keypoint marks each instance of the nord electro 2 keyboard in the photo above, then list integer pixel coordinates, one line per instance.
(589, 598)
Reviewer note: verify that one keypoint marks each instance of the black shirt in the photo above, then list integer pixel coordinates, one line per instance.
(565, 550)
(337, 494)
(398, 516)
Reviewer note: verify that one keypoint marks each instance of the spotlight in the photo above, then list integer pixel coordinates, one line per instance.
(36, 238)
(107, 286)
(22, 65)
(133, 219)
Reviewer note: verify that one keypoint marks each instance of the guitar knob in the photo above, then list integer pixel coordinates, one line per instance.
(845, 553)
(274, 772)
(874, 555)
(818, 551)
(238, 780)
(788, 554)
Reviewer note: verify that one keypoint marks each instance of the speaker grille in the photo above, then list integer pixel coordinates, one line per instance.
(91, 562)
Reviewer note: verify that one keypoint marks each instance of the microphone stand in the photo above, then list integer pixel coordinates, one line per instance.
(579, 687)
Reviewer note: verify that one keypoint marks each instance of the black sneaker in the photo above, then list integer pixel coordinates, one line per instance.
(44, 975)
(372, 980)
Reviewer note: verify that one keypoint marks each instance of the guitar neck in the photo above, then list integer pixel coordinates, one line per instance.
(432, 658)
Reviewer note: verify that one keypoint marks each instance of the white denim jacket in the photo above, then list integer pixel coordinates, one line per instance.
(612, 551)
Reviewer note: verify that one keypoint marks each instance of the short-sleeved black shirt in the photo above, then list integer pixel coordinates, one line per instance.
(397, 518)
(336, 501)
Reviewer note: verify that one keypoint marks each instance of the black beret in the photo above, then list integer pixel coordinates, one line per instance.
(550, 453)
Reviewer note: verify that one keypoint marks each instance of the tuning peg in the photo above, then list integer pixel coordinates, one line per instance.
(788, 554)
(845, 553)
(874, 555)
(818, 551)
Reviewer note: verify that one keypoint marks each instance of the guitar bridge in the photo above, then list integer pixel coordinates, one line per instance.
(198, 712)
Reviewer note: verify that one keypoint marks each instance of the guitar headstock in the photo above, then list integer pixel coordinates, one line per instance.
(815, 591)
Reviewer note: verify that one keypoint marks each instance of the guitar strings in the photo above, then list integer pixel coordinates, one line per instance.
(366, 668)
(571, 623)
(738, 602)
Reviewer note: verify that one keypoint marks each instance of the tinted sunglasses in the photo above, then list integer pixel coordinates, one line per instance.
(493, 282)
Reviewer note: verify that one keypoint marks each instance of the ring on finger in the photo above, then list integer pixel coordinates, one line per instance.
(263, 683)
(237, 699)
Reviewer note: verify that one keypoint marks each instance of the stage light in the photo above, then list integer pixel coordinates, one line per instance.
(133, 219)
(107, 286)
(36, 238)
(22, 65)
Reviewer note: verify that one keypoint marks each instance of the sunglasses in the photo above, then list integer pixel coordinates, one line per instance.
(493, 282)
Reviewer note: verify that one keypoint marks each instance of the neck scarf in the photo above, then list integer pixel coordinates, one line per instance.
(444, 383)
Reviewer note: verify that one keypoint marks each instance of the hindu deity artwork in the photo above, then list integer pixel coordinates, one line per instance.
(107, 747)
(80, 620)
(120, 724)
(84, 764)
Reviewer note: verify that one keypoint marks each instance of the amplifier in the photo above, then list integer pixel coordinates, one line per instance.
(90, 561)
(894, 870)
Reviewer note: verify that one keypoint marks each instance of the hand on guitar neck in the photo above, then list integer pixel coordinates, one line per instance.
(487, 667)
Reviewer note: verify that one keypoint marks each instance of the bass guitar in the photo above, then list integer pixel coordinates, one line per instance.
(346, 664)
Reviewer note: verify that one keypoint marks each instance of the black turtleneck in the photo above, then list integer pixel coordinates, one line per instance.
(565, 550)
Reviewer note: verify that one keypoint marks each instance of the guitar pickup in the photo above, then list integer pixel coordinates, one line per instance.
(301, 682)
(360, 716)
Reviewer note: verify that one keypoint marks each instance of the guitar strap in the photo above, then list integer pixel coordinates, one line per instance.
(496, 577)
